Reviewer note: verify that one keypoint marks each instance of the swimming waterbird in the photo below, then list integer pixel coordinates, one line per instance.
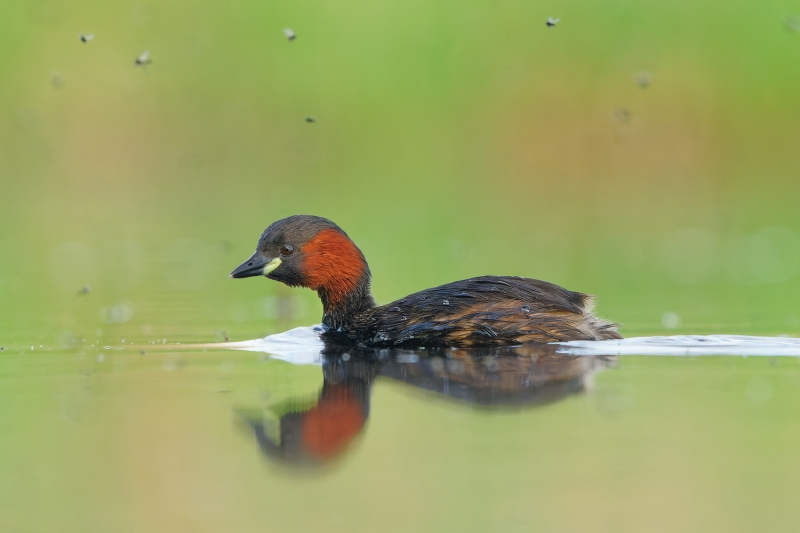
(313, 252)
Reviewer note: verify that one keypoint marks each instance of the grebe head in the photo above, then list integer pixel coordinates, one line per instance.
(313, 252)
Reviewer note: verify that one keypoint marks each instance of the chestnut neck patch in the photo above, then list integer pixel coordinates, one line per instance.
(333, 264)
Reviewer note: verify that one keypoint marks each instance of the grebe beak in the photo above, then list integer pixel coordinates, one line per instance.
(257, 265)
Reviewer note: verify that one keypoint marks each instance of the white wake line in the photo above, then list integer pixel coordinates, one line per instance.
(299, 346)
(677, 345)
(303, 346)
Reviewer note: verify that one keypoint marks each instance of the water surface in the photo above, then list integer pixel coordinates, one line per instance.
(176, 437)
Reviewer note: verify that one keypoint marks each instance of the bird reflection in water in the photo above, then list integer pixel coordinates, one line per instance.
(503, 378)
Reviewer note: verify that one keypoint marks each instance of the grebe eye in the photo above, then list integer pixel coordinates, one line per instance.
(287, 249)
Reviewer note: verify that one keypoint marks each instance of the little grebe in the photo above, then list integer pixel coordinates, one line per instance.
(313, 252)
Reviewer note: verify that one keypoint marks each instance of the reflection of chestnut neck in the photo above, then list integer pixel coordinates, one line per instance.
(320, 434)
(336, 420)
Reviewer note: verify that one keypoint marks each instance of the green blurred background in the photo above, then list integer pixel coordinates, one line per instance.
(452, 139)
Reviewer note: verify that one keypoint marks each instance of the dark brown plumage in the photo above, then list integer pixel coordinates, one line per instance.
(314, 252)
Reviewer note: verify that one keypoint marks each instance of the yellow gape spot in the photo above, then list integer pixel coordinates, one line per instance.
(272, 265)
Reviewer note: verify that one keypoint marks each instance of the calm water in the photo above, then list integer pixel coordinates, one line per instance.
(174, 437)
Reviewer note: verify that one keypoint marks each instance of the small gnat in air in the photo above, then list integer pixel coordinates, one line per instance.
(57, 80)
(85, 38)
(144, 59)
(644, 79)
(622, 115)
(551, 22)
(289, 34)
